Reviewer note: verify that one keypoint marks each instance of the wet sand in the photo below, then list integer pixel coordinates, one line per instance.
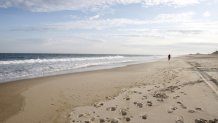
(176, 91)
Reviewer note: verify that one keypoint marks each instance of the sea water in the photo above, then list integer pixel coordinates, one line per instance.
(17, 66)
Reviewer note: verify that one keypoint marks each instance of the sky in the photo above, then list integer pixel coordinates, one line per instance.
(109, 26)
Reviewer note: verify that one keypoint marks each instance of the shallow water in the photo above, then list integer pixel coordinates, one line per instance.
(14, 66)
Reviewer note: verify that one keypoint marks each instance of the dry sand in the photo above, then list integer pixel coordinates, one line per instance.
(182, 90)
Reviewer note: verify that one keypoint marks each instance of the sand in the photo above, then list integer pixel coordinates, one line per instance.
(182, 90)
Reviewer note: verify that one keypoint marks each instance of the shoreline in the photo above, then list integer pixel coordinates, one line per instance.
(88, 69)
(51, 99)
(25, 84)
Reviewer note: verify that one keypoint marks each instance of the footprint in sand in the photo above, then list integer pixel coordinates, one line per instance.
(179, 119)
(114, 121)
(137, 92)
(92, 119)
(108, 98)
(176, 97)
(97, 105)
(127, 98)
(144, 117)
(123, 112)
(160, 100)
(128, 119)
(182, 105)
(80, 115)
(160, 96)
(171, 109)
(138, 104)
(191, 111)
(101, 120)
(149, 103)
(177, 82)
(157, 86)
(111, 108)
(183, 93)
(206, 121)
(144, 97)
(198, 109)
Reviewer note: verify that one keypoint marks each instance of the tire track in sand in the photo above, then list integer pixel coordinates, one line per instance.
(209, 80)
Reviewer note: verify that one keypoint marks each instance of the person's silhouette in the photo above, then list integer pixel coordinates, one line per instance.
(169, 56)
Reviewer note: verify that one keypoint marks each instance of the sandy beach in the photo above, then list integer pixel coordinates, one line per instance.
(182, 90)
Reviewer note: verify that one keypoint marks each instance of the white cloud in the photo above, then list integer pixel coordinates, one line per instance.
(206, 14)
(95, 22)
(59, 5)
(177, 17)
(94, 17)
(210, 27)
(99, 24)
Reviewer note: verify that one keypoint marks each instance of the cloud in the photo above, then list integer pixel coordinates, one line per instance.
(177, 17)
(206, 14)
(211, 27)
(99, 24)
(176, 27)
(95, 22)
(159, 33)
(59, 5)
(32, 29)
(94, 17)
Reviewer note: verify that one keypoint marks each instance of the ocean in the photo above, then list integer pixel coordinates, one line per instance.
(18, 66)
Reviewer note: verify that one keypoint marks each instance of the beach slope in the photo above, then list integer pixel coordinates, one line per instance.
(182, 90)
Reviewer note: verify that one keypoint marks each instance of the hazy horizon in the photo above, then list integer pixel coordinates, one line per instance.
(109, 26)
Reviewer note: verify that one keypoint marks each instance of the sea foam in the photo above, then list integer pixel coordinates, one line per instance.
(22, 66)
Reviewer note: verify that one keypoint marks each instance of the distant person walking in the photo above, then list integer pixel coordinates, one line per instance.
(169, 57)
